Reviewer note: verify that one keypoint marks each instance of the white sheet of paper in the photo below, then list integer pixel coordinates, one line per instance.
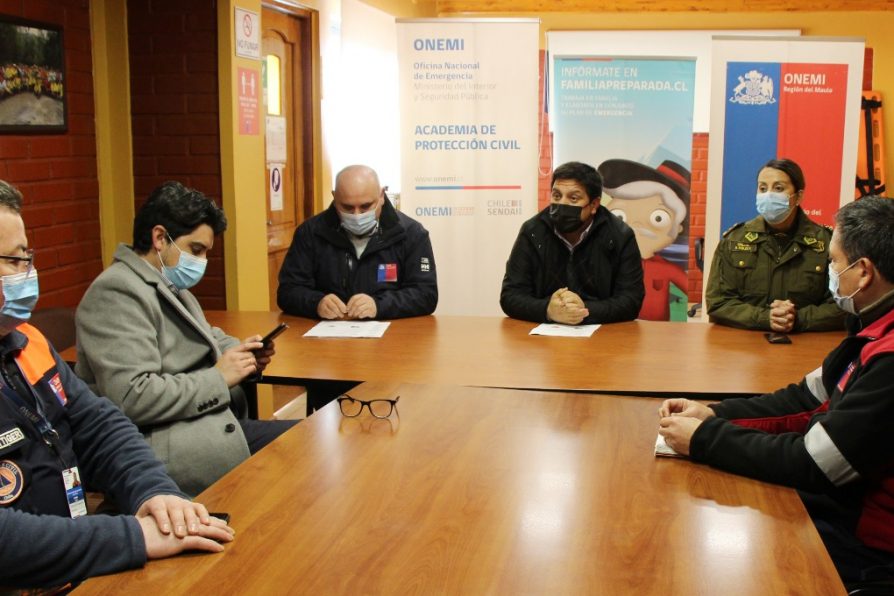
(348, 329)
(662, 449)
(275, 140)
(556, 330)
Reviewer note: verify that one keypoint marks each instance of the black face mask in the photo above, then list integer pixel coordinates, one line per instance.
(565, 218)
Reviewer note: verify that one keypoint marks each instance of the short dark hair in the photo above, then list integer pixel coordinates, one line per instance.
(10, 197)
(790, 169)
(864, 230)
(180, 210)
(585, 175)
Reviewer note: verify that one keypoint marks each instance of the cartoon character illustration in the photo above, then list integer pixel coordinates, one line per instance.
(654, 202)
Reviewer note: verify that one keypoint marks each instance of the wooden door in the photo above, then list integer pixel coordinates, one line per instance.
(285, 49)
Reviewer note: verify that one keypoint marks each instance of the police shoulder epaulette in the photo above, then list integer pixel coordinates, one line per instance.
(733, 227)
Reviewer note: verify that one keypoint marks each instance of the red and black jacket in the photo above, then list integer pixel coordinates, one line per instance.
(831, 433)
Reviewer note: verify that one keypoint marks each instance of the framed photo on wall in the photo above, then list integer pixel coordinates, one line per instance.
(32, 78)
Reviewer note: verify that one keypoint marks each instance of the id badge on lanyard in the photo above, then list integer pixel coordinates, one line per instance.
(74, 492)
(71, 477)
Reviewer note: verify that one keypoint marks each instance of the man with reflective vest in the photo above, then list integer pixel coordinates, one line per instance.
(830, 435)
(55, 437)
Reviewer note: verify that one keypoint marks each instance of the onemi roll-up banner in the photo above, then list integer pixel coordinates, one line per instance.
(469, 151)
(797, 98)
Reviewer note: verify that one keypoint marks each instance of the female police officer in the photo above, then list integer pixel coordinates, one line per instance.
(771, 272)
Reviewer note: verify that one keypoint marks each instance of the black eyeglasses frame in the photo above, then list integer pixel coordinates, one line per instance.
(367, 404)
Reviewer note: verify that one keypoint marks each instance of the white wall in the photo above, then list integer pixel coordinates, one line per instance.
(361, 94)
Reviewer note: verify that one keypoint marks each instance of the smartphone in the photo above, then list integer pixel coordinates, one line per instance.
(778, 338)
(219, 515)
(273, 334)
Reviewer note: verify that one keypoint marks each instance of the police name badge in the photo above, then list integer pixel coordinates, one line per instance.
(74, 492)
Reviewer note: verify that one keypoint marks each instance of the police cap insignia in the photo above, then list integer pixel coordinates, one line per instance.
(12, 482)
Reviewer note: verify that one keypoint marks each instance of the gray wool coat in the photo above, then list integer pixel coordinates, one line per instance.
(148, 348)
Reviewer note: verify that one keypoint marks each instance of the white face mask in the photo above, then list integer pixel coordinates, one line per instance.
(360, 224)
(845, 303)
(774, 206)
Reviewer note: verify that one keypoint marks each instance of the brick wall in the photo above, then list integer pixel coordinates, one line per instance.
(698, 199)
(545, 138)
(174, 109)
(57, 172)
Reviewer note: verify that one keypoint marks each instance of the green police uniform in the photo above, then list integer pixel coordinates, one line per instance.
(751, 269)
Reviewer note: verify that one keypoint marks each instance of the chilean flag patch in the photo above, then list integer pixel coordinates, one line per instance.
(387, 272)
(56, 386)
(846, 376)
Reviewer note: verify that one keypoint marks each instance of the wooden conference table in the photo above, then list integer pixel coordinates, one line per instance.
(480, 491)
(639, 357)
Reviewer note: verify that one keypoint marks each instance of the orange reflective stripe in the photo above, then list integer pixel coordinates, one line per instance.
(36, 359)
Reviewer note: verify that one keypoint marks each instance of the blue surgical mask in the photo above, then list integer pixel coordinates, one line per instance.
(20, 293)
(845, 303)
(773, 206)
(187, 272)
(360, 224)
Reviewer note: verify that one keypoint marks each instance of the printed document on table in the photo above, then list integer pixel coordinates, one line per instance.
(557, 330)
(662, 449)
(348, 329)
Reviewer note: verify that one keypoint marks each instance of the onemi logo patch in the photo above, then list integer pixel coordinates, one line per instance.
(12, 482)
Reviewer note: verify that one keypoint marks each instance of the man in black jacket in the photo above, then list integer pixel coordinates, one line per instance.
(359, 259)
(574, 262)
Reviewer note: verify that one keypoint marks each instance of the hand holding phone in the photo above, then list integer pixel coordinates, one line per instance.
(267, 339)
(260, 354)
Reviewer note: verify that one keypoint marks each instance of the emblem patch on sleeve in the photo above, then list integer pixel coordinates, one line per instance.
(56, 386)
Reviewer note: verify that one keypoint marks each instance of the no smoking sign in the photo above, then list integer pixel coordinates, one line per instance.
(248, 34)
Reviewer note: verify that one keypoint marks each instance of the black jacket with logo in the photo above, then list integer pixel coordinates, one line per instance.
(605, 270)
(322, 260)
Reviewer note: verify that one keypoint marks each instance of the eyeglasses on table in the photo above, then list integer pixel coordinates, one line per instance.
(380, 408)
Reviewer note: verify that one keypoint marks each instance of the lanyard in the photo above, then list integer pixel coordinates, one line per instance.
(37, 418)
